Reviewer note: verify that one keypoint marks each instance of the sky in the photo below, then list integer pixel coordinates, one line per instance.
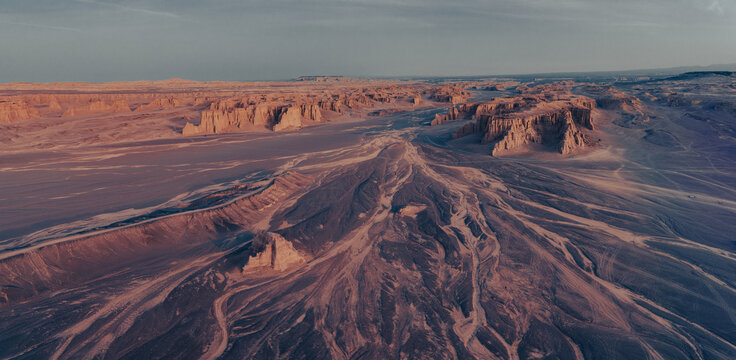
(113, 40)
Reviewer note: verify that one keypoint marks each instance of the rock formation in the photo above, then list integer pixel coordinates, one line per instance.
(161, 104)
(224, 117)
(272, 251)
(559, 128)
(510, 123)
(452, 93)
(612, 99)
(477, 110)
(629, 109)
(54, 105)
(16, 110)
(162, 108)
(291, 112)
(97, 107)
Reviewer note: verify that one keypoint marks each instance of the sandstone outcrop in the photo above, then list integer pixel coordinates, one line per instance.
(161, 104)
(452, 93)
(97, 107)
(476, 110)
(291, 112)
(611, 99)
(162, 108)
(272, 251)
(16, 110)
(54, 105)
(559, 128)
(224, 117)
(510, 123)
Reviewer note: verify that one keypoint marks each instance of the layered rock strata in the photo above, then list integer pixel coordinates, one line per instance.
(98, 107)
(14, 111)
(452, 93)
(272, 251)
(511, 123)
(288, 113)
(221, 118)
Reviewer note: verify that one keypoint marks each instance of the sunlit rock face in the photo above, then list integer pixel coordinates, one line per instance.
(12, 111)
(503, 231)
(556, 119)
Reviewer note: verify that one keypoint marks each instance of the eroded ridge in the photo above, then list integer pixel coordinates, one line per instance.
(544, 117)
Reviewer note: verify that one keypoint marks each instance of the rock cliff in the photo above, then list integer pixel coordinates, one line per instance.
(161, 104)
(510, 123)
(272, 251)
(98, 107)
(452, 93)
(16, 110)
(291, 112)
(54, 105)
(558, 128)
(223, 117)
(476, 110)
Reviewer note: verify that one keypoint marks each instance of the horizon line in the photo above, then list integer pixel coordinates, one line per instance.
(400, 77)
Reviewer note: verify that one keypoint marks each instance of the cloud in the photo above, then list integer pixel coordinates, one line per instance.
(132, 9)
(715, 7)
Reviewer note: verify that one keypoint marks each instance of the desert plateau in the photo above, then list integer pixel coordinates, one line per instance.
(337, 218)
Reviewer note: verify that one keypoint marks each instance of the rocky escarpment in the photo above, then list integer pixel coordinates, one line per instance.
(223, 117)
(133, 111)
(290, 113)
(477, 110)
(98, 107)
(452, 93)
(13, 111)
(511, 123)
(271, 251)
(560, 128)
(162, 104)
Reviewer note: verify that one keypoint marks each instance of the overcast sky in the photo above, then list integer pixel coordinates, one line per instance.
(90, 40)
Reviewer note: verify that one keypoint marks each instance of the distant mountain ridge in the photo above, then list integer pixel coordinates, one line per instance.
(701, 74)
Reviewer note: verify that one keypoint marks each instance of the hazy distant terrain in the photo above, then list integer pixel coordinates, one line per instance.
(590, 217)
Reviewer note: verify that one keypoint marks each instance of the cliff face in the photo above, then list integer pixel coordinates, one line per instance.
(292, 117)
(13, 111)
(162, 104)
(98, 107)
(289, 112)
(272, 251)
(478, 110)
(560, 128)
(221, 118)
(510, 123)
(54, 105)
(452, 115)
(452, 93)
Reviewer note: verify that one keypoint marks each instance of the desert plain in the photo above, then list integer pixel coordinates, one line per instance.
(338, 218)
